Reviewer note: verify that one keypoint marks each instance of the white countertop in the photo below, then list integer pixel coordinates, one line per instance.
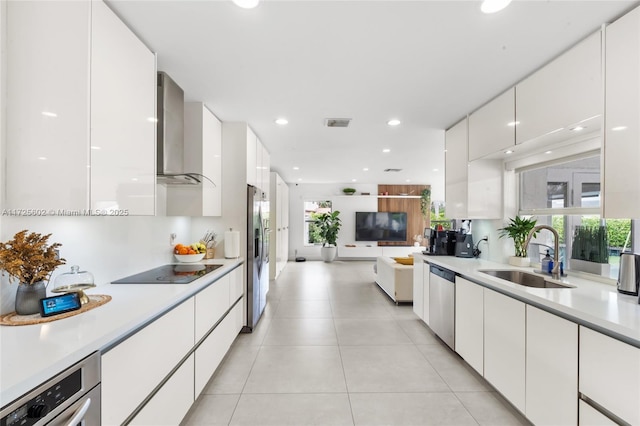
(31, 354)
(590, 303)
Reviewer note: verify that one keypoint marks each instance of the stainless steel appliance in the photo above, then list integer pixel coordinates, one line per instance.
(169, 274)
(257, 256)
(72, 398)
(629, 274)
(170, 131)
(442, 297)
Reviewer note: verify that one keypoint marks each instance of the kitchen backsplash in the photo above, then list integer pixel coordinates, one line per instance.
(108, 247)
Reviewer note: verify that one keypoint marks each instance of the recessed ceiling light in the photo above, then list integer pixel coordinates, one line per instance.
(42, 158)
(299, 179)
(435, 170)
(513, 123)
(96, 148)
(354, 180)
(386, 150)
(508, 152)
(619, 128)
(408, 180)
(246, 4)
(282, 121)
(366, 169)
(548, 152)
(577, 128)
(134, 179)
(493, 6)
(49, 114)
(296, 168)
(152, 120)
(393, 122)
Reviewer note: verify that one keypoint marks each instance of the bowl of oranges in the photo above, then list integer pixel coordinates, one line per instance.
(188, 254)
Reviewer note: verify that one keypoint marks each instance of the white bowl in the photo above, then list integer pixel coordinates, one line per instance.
(188, 258)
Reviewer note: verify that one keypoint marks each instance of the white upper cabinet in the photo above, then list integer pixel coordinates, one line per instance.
(279, 223)
(622, 122)
(252, 158)
(456, 171)
(265, 169)
(123, 126)
(202, 155)
(80, 112)
(492, 127)
(563, 94)
(47, 147)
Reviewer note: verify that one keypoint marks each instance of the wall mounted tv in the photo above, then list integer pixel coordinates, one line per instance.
(381, 226)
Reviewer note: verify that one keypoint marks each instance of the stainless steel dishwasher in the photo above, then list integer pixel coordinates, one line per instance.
(442, 301)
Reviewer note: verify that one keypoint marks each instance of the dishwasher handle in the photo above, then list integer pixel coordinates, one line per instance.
(443, 273)
(78, 416)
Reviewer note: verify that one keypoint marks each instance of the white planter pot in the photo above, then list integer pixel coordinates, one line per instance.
(602, 269)
(328, 253)
(519, 261)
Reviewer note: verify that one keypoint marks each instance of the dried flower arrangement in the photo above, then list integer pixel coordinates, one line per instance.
(28, 259)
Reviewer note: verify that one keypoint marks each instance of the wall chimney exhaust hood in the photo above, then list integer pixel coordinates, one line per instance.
(170, 135)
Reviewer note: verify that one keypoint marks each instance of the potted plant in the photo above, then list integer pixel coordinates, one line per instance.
(329, 225)
(518, 230)
(30, 261)
(590, 250)
(425, 203)
(349, 191)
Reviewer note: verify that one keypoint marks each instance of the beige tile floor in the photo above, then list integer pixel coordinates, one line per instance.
(333, 349)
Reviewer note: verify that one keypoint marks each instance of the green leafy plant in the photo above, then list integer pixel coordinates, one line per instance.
(590, 243)
(349, 191)
(425, 202)
(329, 224)
(518, 230)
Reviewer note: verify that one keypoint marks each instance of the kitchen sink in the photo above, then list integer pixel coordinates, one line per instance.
(524, 278)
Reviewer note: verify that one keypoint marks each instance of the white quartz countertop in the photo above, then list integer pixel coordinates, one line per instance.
(590, 303)
(31, 354)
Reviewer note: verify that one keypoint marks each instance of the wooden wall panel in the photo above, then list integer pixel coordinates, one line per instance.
(415, 221)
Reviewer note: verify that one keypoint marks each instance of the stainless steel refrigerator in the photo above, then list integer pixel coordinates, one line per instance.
(257, 256)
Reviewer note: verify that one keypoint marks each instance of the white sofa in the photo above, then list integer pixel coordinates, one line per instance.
(395, 279)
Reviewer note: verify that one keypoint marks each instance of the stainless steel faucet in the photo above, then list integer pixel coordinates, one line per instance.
(556, 247)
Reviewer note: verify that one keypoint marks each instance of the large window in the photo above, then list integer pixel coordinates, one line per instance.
(312, 209)
(566, 196)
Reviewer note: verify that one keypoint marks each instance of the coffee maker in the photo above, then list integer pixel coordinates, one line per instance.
(442, 243)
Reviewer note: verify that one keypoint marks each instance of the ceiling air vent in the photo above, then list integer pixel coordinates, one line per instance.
(337, 122)
(392, 170)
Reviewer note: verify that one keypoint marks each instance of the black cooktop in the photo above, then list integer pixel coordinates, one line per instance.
(169, 274)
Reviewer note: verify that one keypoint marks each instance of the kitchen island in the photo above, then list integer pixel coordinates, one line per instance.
(31, 354)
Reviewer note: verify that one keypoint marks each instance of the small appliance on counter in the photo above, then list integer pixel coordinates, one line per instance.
(464, 240)
(629, 274)
(442, 243)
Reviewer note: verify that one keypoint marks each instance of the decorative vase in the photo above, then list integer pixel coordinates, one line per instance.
(28, 298)
(328, 253)
(519, 261)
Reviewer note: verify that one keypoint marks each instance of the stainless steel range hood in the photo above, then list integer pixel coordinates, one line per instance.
(170, 134)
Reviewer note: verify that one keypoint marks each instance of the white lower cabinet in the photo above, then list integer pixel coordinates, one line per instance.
(211, 304)
(418, 287)
(172, 402)
(610, 374)
(589, 416)
(213, 349)
(504, 346)
(425, 290)
(133, 369)
(552, 369)
(470, 323)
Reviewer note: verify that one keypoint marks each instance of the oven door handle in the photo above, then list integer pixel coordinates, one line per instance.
(78, 416)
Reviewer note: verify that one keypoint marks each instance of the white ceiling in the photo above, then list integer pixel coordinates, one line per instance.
(427, 63)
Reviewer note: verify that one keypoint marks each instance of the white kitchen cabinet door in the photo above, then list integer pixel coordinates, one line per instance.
(47, 105)
(484, 189)
(202, 155)
(213, 349)
(123, 125)
(469, 323)
(456, 171)
(552, 369)
(265, 170)
(621, 192)
(589, 416)
(418, 287)
(504, 346)
(236, 285)
(492, 126)
(172, 402)
(563, 93)
(610, 374)
(278, 221)
(133, 368)
(252, 158)
(425, 293)
(211, 304)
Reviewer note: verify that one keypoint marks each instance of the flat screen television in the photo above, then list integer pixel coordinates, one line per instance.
(381, 226)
